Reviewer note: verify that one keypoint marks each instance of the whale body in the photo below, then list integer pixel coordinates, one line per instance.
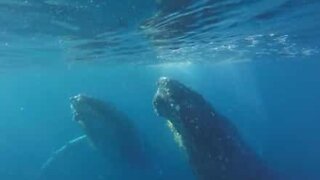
(110, 149)
(215, 148)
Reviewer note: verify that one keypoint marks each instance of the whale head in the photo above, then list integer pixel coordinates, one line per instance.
(86, 109)
(109, 130)
(93, 114)
(180, 105)
(167, 99)
(99, 120)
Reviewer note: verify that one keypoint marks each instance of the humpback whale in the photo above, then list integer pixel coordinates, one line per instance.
(109, 130)
(215, 149)
(110, 149)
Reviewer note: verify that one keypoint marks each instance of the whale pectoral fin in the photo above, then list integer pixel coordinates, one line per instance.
(65, 155)
(75, 160)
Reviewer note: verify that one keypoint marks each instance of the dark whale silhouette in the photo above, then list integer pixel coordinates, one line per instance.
(110, 131)
(215, 148)
(111, 148)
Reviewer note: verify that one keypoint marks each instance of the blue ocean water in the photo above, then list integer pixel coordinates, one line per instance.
(255, 61)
